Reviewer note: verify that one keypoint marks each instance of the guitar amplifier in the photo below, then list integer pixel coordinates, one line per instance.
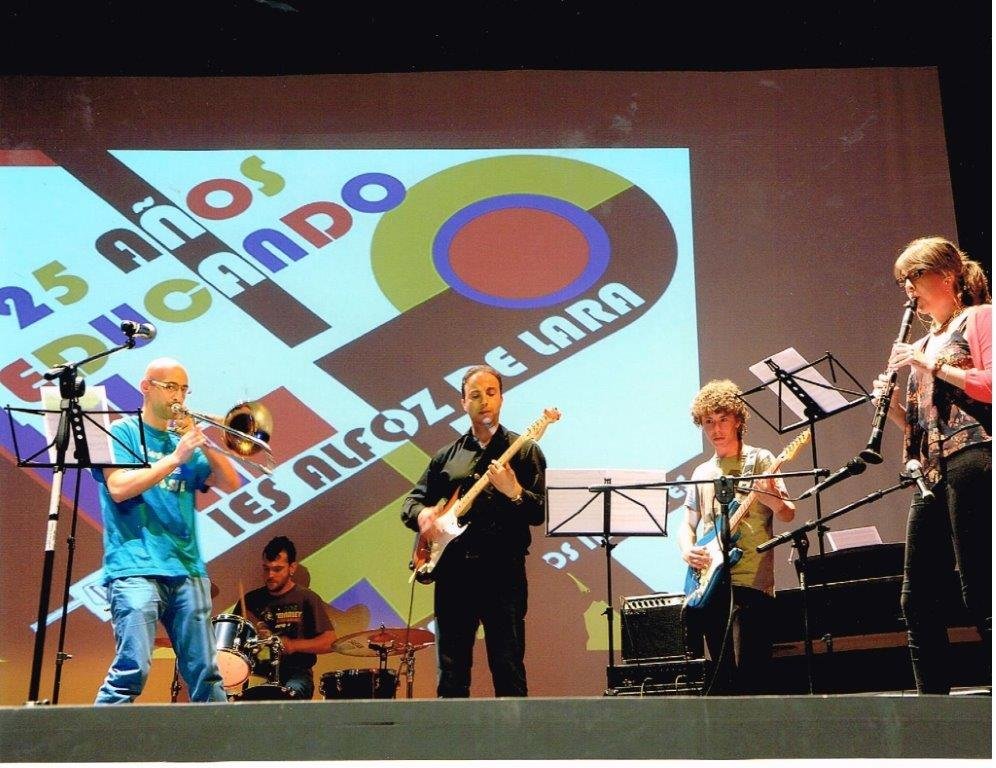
(651, 627)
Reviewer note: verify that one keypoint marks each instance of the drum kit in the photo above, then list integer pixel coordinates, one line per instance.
(240, 654)
(380, 683)
(241, 659)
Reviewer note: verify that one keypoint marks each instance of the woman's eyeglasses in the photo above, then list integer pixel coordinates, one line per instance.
(912, 276)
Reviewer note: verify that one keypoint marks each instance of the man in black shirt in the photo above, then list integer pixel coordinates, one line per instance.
(294, 613)
(480, 577)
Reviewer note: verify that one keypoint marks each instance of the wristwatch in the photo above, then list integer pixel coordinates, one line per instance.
(517, 499)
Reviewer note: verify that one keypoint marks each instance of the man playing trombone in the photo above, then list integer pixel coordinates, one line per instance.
(153, 567)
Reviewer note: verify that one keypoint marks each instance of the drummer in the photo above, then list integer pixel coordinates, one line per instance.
(290, 615)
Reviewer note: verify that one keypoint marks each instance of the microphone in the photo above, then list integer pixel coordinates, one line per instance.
(854, 467)
(915, 471)
(141, 330)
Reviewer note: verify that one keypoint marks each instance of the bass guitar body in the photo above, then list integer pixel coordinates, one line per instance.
(700, 586)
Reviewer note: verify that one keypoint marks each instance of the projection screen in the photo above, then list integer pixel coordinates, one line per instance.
(341, 247)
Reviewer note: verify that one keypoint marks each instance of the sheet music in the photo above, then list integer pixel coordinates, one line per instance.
(574, 510)
(823, 392)
(853, 537)
(98, 441)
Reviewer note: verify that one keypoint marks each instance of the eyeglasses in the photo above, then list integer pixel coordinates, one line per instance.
(171, 386)
(912, 276)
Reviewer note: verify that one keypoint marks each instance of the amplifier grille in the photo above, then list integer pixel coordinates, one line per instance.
(651, 627)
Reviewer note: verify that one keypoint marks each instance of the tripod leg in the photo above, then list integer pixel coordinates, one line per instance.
(409, 671)
(175, 685)
(46, 587)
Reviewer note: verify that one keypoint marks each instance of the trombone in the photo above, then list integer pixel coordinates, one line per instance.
(247, 429)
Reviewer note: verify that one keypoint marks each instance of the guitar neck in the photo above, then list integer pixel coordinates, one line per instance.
(484, 480)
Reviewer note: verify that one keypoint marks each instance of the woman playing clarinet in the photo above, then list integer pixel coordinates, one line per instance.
(946, 416)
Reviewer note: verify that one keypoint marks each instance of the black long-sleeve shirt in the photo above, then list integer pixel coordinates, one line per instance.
(496, 525)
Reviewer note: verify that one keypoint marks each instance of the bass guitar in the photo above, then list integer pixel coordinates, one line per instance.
(701, 584)
(447, 523)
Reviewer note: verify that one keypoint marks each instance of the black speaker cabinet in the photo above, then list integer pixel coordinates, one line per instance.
(651, 627)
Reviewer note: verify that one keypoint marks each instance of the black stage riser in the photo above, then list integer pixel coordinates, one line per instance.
(792, 727)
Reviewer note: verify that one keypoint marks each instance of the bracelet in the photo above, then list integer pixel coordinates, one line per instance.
(517, 499)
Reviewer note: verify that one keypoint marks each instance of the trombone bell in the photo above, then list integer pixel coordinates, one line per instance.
(248, 420)
(247, 428)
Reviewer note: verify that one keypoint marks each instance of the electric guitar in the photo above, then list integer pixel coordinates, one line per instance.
(447, 524)
(701, 584)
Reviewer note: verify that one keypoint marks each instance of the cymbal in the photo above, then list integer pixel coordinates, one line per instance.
(350, 621)
(391, 642)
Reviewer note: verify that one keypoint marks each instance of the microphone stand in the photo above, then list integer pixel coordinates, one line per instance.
(800, 542)
(725, 493)
(71, 389)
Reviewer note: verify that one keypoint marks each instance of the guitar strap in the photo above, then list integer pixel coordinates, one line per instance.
(750, 461)
(492, 451)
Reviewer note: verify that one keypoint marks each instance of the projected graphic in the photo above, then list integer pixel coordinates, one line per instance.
(348, 290)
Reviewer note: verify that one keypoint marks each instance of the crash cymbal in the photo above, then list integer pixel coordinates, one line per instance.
(350, 621)
(388, 641)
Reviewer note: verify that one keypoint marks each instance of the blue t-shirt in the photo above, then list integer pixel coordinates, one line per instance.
(154, 533)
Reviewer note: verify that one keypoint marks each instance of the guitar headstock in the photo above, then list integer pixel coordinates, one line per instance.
(538, 427)
(790, 450)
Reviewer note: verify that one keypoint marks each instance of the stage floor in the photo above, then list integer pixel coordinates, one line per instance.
(661, 727)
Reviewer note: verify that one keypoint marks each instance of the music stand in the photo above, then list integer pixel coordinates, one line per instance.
(801, 387)
(72, 419)
(573, 512)
(582, 520)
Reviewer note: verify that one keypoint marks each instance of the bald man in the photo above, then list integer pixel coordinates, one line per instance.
(153, 567)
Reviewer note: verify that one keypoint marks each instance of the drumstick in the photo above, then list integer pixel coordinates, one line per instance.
(248, 615)
(242, 600)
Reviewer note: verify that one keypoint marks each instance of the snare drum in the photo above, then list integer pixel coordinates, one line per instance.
(264, 692)
(359, 684)
(233, 635)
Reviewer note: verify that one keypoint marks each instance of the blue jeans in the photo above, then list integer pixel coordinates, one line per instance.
(184, 607)
(301, 681)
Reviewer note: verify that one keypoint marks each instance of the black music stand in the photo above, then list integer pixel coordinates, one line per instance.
(802, 388)
(574, 513)
(74, 420)
(642, 521)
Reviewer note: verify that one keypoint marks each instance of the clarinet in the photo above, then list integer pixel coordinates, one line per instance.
(872, 452)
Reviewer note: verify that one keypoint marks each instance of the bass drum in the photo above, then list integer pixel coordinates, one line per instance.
(359, 684)
(264, 692)
(234, 638)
